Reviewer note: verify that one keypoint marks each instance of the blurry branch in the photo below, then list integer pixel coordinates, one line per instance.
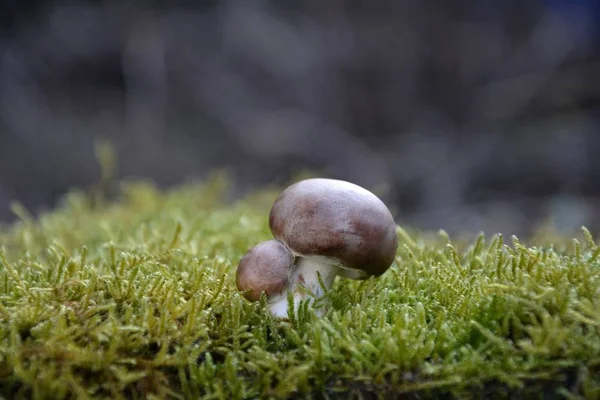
(499, 96)
(552, 39)
(418, 96)
(497, 106)
(144, 71)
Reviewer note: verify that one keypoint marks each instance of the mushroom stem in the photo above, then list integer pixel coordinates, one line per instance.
(305, 274)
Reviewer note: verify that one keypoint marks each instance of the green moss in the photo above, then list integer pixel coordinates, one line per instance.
(136, 299)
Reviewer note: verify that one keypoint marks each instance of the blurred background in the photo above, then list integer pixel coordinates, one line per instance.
(472, 115)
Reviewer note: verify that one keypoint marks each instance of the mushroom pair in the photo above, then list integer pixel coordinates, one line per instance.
(323, 227)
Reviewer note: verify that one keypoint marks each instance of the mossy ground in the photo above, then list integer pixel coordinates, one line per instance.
(136, 299)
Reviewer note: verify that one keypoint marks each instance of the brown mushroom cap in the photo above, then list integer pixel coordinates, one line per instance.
(338, 220)
(265, 267)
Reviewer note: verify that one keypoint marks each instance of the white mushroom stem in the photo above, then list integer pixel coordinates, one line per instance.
(305, 274)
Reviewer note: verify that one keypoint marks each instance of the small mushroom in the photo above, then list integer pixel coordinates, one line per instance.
(323, 227)
(267, 268)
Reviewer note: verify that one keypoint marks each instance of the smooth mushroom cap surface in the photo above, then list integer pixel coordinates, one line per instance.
(338, 220)
(265, 267)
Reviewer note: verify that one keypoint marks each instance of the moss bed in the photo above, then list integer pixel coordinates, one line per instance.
(136, 298)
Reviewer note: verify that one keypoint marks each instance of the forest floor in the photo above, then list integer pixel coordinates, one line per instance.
(136, 298)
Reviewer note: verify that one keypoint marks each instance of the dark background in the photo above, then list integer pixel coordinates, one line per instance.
(478, 115)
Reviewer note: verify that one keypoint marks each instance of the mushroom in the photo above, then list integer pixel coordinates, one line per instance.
(323, 227)
(266, 268)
